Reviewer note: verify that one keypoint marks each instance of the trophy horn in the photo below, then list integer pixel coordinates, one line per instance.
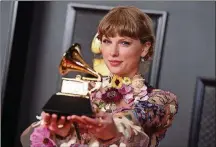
(73, 61)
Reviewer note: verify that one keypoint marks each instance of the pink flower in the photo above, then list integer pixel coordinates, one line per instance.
(98, 95)
(112, 95)
(125, 89)
(128, 98)
(144, 88)
(143, 93)
(41, 138)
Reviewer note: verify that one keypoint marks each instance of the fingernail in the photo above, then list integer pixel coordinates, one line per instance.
(60, 126)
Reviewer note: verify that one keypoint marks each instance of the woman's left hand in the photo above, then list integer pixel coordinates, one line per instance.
(102, 126)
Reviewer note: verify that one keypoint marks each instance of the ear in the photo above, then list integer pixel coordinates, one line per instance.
(145, 48)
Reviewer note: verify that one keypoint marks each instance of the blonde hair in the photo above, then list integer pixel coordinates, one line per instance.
(128, 21)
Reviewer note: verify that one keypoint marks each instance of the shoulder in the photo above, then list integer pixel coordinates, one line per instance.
(163, 95)
(165, 98)
(159, 94)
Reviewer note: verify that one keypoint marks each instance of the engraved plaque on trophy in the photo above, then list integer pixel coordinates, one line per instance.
(74, 96)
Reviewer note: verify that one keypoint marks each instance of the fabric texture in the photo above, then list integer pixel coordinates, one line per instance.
(141, 114)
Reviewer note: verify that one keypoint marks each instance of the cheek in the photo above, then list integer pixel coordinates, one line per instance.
(131, 56)
(104, 53)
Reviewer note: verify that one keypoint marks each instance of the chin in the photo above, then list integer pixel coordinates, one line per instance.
(116, 71)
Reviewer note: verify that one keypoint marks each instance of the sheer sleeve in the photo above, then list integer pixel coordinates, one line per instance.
(146, 124)
(156, 114)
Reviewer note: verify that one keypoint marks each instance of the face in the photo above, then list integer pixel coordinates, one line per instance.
(122, 54)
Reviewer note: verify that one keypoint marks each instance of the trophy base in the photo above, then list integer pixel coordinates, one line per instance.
(64, 105)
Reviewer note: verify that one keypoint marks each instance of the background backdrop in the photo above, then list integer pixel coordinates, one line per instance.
(189, 51)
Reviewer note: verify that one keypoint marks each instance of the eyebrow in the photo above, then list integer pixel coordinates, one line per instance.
(121, 38)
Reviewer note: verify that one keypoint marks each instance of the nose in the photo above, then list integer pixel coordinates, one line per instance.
(114, 51)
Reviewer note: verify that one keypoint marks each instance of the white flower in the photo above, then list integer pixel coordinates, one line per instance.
(94, 143)
(145, 98)
(68, 144)
(122, 145)
(138, 85)
(138, 98)
(113, 145)
(172, 109)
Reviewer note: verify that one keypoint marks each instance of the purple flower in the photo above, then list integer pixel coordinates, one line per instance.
(125, 89)
(128, 98)
(98, 95)
(112, 95)
(41, 138)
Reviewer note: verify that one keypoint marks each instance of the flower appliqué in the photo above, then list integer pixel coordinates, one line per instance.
(172, 109)
(116, 82)
(41, 138)
(122, 88)
(112, 95)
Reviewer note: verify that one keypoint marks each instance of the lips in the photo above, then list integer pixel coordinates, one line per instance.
(115, 62)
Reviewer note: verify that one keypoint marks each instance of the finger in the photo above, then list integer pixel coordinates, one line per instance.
(46, 118)
(68, 118)
(91, 121)
(61, 122)
(77, 119)
(43, 114)
(53, 124)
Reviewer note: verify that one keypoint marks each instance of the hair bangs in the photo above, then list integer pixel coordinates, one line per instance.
(118, 24)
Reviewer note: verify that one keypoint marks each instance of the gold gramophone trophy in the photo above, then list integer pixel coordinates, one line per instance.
(73, 98)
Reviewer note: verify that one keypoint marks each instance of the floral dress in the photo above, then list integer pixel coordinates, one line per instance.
(141, 114)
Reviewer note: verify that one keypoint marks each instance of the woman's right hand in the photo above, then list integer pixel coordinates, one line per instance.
(59, 126)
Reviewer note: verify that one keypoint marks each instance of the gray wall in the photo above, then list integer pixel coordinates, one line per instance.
(189, 51)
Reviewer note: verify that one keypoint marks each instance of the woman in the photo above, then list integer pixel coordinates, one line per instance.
(129, 112)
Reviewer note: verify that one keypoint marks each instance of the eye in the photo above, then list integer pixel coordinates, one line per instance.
(125, 43)
(106, 41)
